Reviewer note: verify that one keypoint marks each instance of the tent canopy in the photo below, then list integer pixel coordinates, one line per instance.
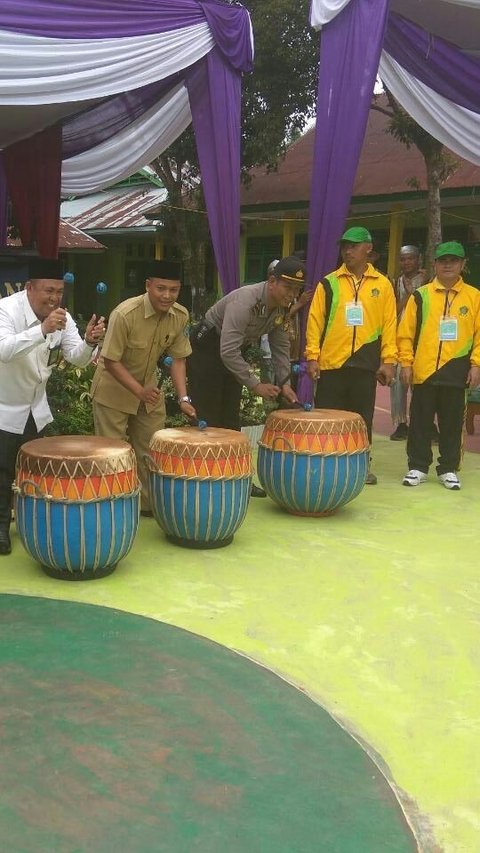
(91, 90)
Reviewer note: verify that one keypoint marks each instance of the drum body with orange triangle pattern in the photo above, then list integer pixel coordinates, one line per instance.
(312, 463)
(200, 483)
(77, 503)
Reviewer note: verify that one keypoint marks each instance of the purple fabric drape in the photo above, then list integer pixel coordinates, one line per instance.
(102, 121)
(231, 32)
(3, 203)
(214, 90)
(437, 63)
(115, 18)
(350, 53)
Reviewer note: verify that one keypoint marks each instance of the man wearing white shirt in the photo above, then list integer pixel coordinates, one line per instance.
(35, 332)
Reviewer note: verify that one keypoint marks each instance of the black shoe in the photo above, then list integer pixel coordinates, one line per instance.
(146, 513)
(400, 434)
(257, 492)
(5, 544)
(371, 479)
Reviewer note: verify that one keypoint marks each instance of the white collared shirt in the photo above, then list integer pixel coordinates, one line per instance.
(24, 354)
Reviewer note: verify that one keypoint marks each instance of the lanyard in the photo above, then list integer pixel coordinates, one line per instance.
(356, 286)
(448, 303)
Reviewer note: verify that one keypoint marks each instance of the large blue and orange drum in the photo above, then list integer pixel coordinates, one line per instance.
(77, 503)
(199, 483)
(312, 463)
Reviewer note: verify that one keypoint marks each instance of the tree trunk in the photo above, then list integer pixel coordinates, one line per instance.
(185, 228)
(435, 171)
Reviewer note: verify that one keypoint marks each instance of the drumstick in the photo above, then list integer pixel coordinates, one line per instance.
(307, 407)
(201, 424)
(297, 369)
(167, 361)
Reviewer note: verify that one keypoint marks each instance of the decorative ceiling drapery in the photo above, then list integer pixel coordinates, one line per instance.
(118, 80)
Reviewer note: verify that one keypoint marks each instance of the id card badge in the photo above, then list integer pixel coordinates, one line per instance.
(354, 314)
(448, 329)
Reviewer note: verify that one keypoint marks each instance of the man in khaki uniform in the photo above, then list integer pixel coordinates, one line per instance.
(127, 402)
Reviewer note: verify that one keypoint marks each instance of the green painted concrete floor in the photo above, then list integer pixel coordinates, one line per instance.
(128, 734)
(373, 612)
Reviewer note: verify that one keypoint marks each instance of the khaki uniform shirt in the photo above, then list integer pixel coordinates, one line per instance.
(242, 317)
(137, 336)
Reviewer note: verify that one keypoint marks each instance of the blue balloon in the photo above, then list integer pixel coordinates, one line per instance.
(101, 287)
(202, 424)
(307, 407)
(167, 361)
(69, 278)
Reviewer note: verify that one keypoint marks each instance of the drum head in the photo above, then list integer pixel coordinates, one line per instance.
(317, 431)
(190, 452)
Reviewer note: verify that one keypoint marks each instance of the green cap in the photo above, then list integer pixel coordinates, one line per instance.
(452, 248)
(357, 234)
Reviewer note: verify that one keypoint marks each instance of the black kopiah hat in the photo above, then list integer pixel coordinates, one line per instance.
(45, 268)
(170, 270)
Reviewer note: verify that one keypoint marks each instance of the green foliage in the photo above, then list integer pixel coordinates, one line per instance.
(252, 410)
(175, 418)
(69, 398)
(279, 96)
(68, 392)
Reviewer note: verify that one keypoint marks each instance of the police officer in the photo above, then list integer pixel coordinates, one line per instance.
(127, 402)
(217, 368)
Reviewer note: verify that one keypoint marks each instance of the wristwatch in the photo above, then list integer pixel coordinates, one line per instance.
(184, 399)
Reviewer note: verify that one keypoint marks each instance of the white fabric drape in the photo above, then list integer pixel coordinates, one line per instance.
(48, 70)
(324, 11)
(473, 3)
(454, 126)
(123, 154)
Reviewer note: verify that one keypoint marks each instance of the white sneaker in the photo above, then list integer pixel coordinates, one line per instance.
(450, 481)
(414, 478)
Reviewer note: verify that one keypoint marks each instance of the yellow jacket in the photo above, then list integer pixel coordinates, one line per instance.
(441, 362)
(332, 342)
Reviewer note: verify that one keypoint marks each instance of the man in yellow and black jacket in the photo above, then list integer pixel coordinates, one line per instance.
(351, 332)
(439, 354)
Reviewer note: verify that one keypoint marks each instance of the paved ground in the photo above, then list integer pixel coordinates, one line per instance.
(372, 612)
(383, 423)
